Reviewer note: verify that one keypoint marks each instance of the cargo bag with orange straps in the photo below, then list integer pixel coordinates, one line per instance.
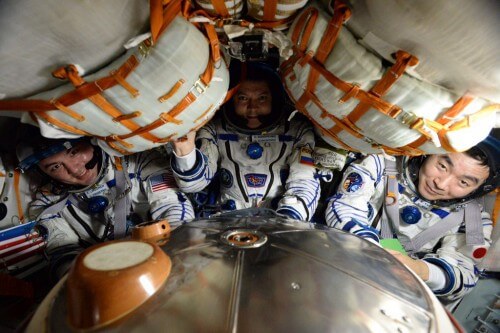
(171, 83)
(358, 104)
(270, 13)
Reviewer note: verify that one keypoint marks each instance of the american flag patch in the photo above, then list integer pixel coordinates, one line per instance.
(162, 182)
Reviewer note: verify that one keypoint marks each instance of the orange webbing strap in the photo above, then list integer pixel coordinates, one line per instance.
(455, 110)
(168, 117)
(86, 89)
(160, 18)
(131, 115)
(341, 14)
(270, 7)
(493, 108)
(496, 207)
(464, 123)
(118, 163)
(304, 27)
(172, 91)
(20, 210)
(339, 122)
(220, 8)
(203, 114)
(71, 73)
(60, 124)
(72, 97)
(452, 112)
(362, 95)
(127, 86)
(155, 18)
(73, 114)
(258, 24)
(302, 109)
(101, 102)
(213, 40)
(403, 60)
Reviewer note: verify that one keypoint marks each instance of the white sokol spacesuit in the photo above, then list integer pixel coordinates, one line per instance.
(255, 169)
(261, 159)
(140, 188)
(359, 207)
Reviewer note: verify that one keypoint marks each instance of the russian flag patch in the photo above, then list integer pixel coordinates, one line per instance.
(306, 156)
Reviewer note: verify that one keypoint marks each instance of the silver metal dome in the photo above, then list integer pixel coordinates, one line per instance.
(253, 271)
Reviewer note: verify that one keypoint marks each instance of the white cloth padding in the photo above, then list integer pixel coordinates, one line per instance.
(182, 52)
(456, 41)
(351, 62)
(234, 7)
(287, 7)
(39, 36)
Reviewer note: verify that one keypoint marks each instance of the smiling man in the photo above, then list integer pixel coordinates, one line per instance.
(430, 204)
(262, 159)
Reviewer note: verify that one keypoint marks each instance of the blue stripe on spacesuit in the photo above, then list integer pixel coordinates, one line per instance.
(449, 273)
(439, 212)
(228, 137)
(345, 215)
(364, 233)
(291, 212)
(378, 168)
(196, 172)
(307, 191)
(347, 205)
(342, 215)
(349, 225)
(355, 167)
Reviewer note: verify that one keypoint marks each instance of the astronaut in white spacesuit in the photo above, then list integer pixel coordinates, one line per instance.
(93, 197)
(431, 204)
(263, 160)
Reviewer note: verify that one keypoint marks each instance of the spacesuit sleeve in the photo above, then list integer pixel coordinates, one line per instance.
(63, 243)
(166, 200)
(54, 228)
(302, 186)
(205, 167)
(458, 262)
(348, 209)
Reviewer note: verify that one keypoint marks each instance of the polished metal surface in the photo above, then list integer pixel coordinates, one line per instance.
(302, 278)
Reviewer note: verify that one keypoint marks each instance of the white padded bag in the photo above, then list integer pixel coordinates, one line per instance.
(166, 78)
(411, 109)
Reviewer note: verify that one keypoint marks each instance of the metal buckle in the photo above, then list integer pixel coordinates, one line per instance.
(145, 47)
(198, 88)
(407, 118)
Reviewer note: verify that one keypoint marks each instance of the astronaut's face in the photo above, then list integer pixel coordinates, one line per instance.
(450, 176)
(68, 166)
(252, 101)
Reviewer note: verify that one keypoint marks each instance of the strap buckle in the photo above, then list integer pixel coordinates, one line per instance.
(198, 88)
